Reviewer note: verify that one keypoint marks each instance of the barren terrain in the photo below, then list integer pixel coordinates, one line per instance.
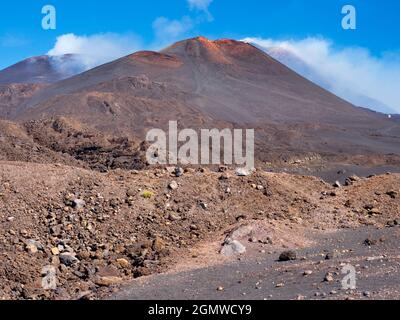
(82, 209)
(102, 229)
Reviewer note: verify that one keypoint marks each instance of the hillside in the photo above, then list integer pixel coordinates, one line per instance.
(223, 84)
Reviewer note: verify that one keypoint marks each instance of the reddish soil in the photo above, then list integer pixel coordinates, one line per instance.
(132, 224)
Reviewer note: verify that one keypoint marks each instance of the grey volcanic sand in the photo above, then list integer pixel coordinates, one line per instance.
(256, 276)
(342, 172)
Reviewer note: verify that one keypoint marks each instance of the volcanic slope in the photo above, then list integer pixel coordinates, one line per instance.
(223, 83)
(41, 69)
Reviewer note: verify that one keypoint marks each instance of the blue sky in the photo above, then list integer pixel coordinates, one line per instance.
(21, 34)
(93, 25)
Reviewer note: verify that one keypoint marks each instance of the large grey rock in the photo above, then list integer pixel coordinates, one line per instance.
(173, 185)
(68, 259)
(240, 232)
(78, 204)
(243, 172)
(233, 248)
(288, 256)
(32, 244)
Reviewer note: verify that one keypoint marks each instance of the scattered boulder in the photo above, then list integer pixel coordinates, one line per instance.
(392, 223)
(225, 176)
(374, 211)
(158, 244)
(367, 294)
(368, 207)
(329, 277)
(107, 281)
(331, 255)
(173, 185)
(123, 263)
(55, 251)
(78, 204)
(107, 276)
(287, 256)
(370, 242)
(242, 172)
(33, 246)
(232, 248)
(203, 205)
(241, 217)
(55, 230)
(178, 172)
(350, 180)
(337, 184)
(173, 216)
(68, 259)
(240, 232)
(393, 194)
(131, 192)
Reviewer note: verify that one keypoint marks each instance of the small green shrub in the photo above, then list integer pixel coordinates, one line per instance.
(147, 194)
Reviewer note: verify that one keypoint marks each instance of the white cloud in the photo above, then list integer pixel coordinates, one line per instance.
(166, 30)
(199, 4)
(96, 49)
(351, 71)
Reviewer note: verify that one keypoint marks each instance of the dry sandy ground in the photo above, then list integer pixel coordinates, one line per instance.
(99, 230)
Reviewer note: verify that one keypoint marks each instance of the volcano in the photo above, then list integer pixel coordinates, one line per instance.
(41, 69)
(294, 62)
(222, 84)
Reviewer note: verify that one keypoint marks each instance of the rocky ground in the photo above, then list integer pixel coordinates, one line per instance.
(96, 231)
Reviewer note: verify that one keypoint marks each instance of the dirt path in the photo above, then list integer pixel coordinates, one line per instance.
(260, 276)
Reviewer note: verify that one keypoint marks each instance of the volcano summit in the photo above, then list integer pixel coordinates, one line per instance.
(207, 84)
